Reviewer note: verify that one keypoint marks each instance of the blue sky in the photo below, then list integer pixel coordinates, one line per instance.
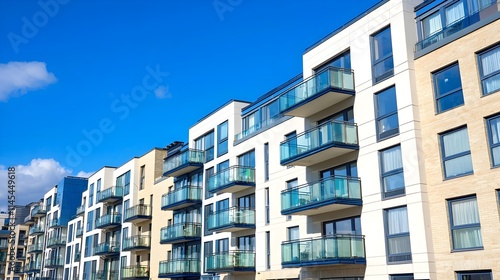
(85, 84)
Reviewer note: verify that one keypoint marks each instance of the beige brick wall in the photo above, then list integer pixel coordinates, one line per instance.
(485, 180)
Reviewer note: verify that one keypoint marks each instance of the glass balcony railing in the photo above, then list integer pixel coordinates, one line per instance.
(332, 134)
(332, 190)
(331, 249)
(326, 80)
(180, 232)
(111, 194)
(54, 223)
(267, 123)
(488, 9)
(35, 248)
(37, 229)
(234, 217)
(179, 267)
(136, 242)
(79, 231)
(230, 261)
(56, 241)
(235, 178)
(184, 162)
(141, 271)
(107, 248)
(80, 210)
(106, 275)
(108, 221)
(33, 266)
(54, 262)
(181, 197)
(39, 211)
(139, 212)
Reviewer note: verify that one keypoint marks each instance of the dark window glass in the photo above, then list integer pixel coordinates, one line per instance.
(382, 61)
(448, 88)
(387, 113)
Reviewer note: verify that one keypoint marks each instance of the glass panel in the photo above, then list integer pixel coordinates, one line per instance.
(382, 44)
(447, 80)
(456, 142)
(450, 101)
(432, 24)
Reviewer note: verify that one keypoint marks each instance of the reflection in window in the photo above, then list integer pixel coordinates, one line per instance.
(448, 88)
(382, 61)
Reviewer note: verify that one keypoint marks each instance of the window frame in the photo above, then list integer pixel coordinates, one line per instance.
(378, 117)
(398, 235)
(222, 141)
(383, 174)
(482, 77)
(378, 78)
(490, 139)
(455, 156)
(401, 276)
(473, 272)
(453, 228)
(438, 95)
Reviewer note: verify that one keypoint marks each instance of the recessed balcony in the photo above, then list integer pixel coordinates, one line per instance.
(35, 248)
(185, 162)
(324, 250)
(138, 214)
(59, 241)
(135, 272)
(136, 243)
(181, 198)
(107, 249)
(321, 143)
(33, 267)
(327, 195)
(21, 256)
(37, 230)
(231, 180)
(231, 261)
(29, 220)
(54, 262)
(232, 219)
(178, 233)
(55, 223)
(109, 221)
(179, 268)
(110, 195)
(79, 232)
(80, 210)
(326, 88)
(39, 211)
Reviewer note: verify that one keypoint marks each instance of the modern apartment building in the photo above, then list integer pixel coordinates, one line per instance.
(13, 256)
(457, 67)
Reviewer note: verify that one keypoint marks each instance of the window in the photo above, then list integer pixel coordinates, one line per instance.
(475, 275)
(88, 250)
(222, 138)
(494, 136)
(266, 161)
(387, 113)
(350, 226)
(68, 255)
(247, 159)
(347, 169)
(124, 182)
(448, 88)
(247, 201)
(246, 243)
(340, 61)
(222, 245)
(293, 233)
(208, 173)
(268, 249)
(382, 61)
(98, 189)
(207, 211)
(206, 143)
(266, 201)
(489, 69)
(391, 166)
(464, 222)
(143, 176)
(402, 277)
(90, 221)
(397, 235)
(91, 195)
(455, 152)
(70, 233)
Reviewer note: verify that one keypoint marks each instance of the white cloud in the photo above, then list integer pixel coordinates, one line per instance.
(33, 180)
(162, 92)
(17, 78)
(84, 174)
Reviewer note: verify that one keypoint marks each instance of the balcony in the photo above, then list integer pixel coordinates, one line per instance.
(135, 272)
(232, 219)
(138, 213)
(178, 233)
(109, 221)
(324, 142)
(106, 275)
(35, 248)
(54, 262)
(107, 248)
(79, 232)
(55, 223)
(77, 256)
(110, 195)
(32, 267)
(136, 243)
(324, 250)
(459, 28)
(80, 210)
(181, 198)
(38, 211)
(231, 261)
(29, 220)
(185, 162)
(324, 89)
(231, 180)
(179, 268)
(56, 241)
(327, 195)
(37, 230)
